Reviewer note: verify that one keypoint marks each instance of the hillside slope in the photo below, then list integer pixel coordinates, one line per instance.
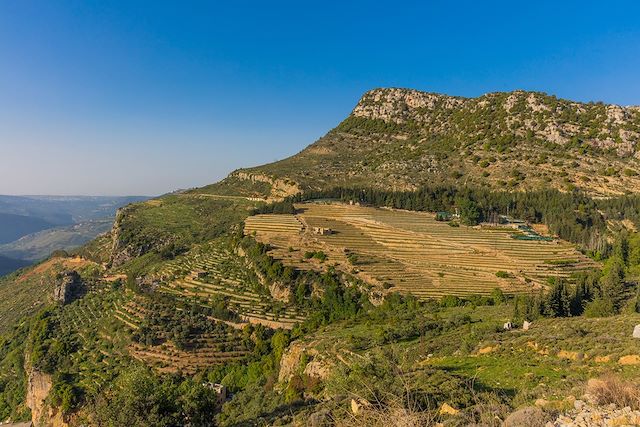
(401, 139)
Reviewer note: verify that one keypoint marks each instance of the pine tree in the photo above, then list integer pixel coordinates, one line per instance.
(612, 283)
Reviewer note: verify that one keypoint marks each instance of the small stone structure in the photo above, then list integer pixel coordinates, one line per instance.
(322, 231)
(636, 331)
(219, 389)
(68, 285)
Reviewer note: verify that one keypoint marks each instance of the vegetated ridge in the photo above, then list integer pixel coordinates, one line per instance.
(402, 139)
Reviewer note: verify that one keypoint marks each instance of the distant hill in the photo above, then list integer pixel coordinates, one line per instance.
(65, 210)
(402, 139)
(13, 227)
(8, 265)
(31, 227)
(36, 246)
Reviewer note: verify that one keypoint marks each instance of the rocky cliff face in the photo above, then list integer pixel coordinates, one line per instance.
(122, 250)
(303, 358)
(38, 387)
(280, 188)
(68, 286)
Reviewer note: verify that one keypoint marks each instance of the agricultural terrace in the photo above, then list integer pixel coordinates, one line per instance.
(170, 339)
(411, 252)
(101, 339)
(211, 274)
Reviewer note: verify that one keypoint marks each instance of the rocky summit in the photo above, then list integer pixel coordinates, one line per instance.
(402, 139)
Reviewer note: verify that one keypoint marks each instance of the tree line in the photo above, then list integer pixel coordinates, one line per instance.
(572, 216)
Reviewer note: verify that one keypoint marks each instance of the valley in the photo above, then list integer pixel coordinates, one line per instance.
(33, 227)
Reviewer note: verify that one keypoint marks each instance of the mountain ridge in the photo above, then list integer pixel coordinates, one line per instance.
(403, 139)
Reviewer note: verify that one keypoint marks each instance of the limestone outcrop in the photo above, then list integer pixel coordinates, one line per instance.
(39, 385)
(68, 286)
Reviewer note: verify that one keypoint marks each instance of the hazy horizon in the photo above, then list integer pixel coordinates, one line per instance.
(150, 97)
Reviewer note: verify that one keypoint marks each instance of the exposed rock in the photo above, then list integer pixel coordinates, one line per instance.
(407, 105)
(280, 291)
(291, 360)
(121, 249)
(632, 359)
(486, 350)
(318, 368)
(526, 325)
(401, 105)
(38, 387)
(68, 285)
(355, 407)
(526, 417)
(447, 409)
(592, 416)
(636, 331)
(280, 188)
(359, 405)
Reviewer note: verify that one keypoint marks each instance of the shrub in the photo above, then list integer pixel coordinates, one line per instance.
(498, 296)
(321, 256)
(352, 258)
(600, 307)
(451, 301)
(610, 389)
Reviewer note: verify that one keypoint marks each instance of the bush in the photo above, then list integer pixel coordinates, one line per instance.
(498, 296)
(600, 307)
(451, 301)
(610, 389)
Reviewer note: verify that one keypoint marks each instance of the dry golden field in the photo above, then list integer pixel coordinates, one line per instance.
(411, 252)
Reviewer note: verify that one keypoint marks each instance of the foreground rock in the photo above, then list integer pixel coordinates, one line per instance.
(590, 416)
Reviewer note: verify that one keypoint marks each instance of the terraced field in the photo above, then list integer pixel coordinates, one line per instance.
(205, 349)
(211, 272)
(101, 340)
(412, 252)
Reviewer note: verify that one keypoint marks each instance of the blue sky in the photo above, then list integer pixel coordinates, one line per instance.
(144, 97)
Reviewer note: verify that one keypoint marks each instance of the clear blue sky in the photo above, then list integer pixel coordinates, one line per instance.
(143, 97)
